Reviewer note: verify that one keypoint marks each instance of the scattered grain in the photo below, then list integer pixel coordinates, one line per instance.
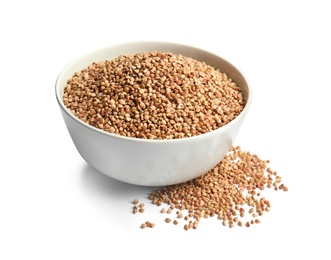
(232, 187)
(147, 224)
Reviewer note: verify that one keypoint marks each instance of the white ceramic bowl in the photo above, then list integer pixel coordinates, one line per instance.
(151, 162)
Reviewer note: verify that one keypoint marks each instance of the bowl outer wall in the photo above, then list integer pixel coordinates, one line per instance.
(151, 162)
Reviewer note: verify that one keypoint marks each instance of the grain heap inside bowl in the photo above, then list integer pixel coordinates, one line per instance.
(153, 95)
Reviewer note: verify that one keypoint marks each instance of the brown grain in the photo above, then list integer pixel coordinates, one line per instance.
(225, 191)
(153, 95)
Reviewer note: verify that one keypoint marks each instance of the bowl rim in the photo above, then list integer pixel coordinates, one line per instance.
(59, 98)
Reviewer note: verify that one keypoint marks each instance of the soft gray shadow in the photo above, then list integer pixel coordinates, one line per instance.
(105, 186)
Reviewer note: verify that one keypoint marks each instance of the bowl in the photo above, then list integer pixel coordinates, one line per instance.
(148, 162)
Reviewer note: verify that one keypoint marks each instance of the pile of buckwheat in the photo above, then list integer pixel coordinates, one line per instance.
(231, 191)
(159, 95)
(153, 95)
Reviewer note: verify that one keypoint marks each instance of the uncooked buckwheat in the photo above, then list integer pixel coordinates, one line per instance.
(228, 191)
(153, 95)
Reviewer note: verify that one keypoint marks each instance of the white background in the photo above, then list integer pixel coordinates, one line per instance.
(54, 206)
